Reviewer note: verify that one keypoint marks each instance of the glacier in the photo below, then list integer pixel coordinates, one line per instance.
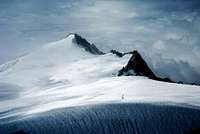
(61, 88)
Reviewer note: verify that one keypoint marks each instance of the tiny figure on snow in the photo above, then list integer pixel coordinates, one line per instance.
(122, 96)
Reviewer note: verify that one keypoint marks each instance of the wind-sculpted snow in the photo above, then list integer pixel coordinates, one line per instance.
(126, 118)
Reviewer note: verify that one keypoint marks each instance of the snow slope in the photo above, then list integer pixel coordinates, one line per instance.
(61, 75)
(119, 118)
(40, 63)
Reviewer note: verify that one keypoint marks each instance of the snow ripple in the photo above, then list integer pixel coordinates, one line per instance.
(126, 118)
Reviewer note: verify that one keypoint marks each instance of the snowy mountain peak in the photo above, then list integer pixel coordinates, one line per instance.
(83, 43)
(138, 66)
(71, 48)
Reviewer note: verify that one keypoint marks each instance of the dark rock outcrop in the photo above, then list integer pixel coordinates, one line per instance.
(89, 47)
(180, 82)
(137, 66)
(119, 54)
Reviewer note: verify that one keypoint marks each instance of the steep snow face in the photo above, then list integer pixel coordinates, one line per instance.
(61, 74)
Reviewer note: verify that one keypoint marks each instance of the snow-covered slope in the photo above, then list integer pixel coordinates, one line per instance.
(39, 64)
(59, 64)
(119, 118)
(62, 74)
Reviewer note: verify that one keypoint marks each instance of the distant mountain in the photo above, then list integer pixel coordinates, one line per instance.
(72, 47)
(38, 66)
(137, 66)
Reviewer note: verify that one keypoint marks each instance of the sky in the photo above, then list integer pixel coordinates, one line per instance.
(166, 32)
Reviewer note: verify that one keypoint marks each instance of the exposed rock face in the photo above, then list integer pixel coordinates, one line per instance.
(137, 66)
(91, 48)
(119, 54)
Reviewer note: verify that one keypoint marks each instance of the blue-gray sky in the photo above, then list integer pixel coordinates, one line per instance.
(166, 32)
